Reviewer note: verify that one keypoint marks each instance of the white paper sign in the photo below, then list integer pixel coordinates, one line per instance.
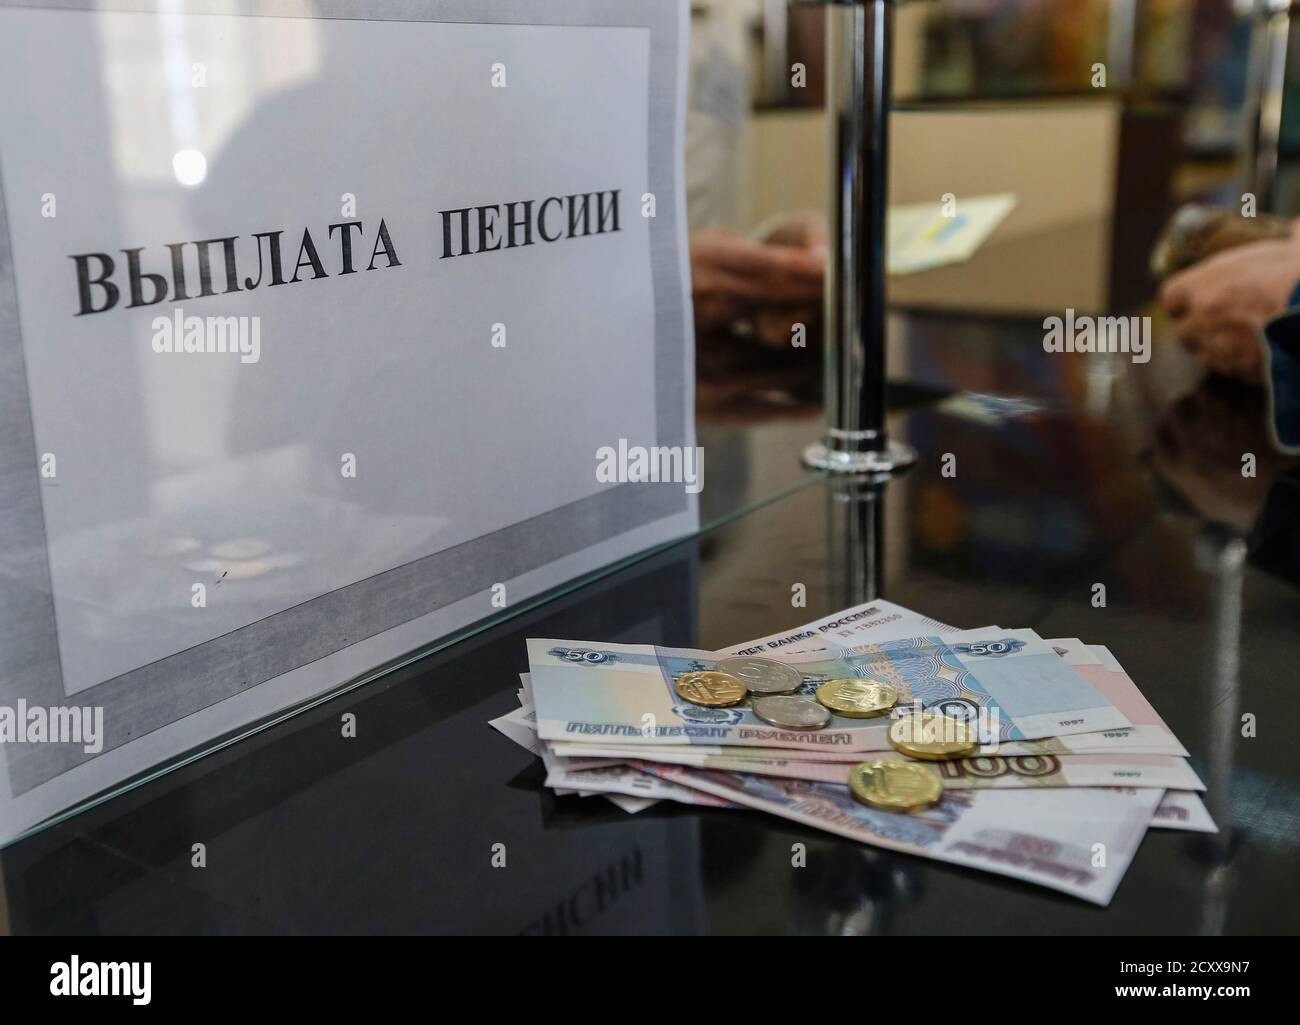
(311, 329)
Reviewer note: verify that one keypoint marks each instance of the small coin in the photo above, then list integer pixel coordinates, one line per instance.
(710, 689)
(895, 786)
(857, 698)
(932, 737)
(763, 675)
(791, 713)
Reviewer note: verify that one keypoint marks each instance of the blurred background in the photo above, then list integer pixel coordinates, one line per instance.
(1101, 118)
(1004, 96)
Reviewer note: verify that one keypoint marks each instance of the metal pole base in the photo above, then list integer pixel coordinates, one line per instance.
(895, 458)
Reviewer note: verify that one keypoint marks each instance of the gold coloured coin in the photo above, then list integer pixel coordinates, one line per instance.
(711, 689)
(933, 737)
(895, 786)
(857, 698)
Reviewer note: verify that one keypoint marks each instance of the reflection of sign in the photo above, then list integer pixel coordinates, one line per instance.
(409, 238)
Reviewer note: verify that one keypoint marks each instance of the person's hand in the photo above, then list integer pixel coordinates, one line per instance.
(804, 229)
(1220, 305)
(774, 284)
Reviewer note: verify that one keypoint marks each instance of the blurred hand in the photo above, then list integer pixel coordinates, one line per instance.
(1220, 305)
(1198, 448)
(774, 283)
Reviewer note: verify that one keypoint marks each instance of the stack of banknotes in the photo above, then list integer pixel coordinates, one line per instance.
(1072, 768)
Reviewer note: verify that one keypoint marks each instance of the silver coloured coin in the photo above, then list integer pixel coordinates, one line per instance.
(791, 713)
(762, 675)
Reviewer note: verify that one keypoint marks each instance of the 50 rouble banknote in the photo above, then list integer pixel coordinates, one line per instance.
(1010, 682)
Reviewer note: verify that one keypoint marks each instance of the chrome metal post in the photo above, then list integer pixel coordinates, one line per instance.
(858, 46)
(1270, 34)
(776, 50)
(855, 517)
(1121, 45)
(1222, 555)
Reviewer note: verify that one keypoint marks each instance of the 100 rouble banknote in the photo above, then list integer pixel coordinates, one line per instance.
(1078, 841)
(1179, 809)
(987, 772)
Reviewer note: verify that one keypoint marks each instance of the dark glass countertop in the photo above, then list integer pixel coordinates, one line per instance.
(1097, 471)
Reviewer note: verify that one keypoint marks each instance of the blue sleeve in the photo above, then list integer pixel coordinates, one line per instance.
(1282, 343)
(1275, 538)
